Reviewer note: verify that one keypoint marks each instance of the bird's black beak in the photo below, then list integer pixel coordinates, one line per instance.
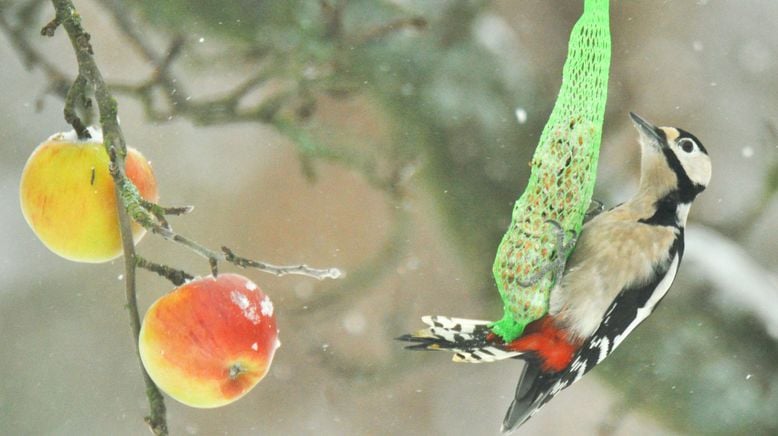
(648, 130)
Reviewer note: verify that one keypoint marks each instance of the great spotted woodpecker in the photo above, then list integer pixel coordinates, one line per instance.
(624, 261)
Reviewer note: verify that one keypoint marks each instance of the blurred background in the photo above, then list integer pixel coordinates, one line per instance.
(390, 138)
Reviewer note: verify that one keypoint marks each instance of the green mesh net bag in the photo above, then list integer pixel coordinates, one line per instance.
(561, 183)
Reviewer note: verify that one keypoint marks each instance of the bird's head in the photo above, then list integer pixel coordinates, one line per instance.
(671, 159)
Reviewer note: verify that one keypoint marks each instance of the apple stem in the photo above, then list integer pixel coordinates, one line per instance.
(88, 72)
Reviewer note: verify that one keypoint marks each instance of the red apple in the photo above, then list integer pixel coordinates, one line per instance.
(210, 341)
(67, 197)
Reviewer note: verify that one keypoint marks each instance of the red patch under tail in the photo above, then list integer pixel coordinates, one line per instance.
(550, 344)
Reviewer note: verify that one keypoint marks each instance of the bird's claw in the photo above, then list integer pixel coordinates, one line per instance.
(595, 208)
(558, 263)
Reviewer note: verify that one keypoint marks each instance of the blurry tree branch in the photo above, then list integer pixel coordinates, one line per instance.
(737, 276)
(58, 81)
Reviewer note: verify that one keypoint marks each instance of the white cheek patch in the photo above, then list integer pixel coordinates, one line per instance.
(697, 166)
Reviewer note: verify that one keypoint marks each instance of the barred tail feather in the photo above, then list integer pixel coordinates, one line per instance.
(470, 340)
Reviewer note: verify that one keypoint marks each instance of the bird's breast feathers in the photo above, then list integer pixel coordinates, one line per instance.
(614, 252)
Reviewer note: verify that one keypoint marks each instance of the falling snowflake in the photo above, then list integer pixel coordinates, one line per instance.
(521, 115)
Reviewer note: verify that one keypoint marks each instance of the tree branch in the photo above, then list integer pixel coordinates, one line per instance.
(67, 17)
(58, 82)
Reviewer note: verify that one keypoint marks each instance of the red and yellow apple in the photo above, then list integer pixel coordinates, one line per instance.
(67, 197)
(210, 341)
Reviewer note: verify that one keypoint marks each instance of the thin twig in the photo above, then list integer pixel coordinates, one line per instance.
(160, 212)
(59, 84)
(332, 273)
(176, 276)
(174, 90)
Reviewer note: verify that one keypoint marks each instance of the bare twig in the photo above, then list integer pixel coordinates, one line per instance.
(173, 89)
(51, 27)
(58, 82)
(176, 276)
(160, 212)
(332, 273)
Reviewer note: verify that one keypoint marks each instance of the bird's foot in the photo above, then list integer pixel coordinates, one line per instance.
(595, 208)
(557, 265)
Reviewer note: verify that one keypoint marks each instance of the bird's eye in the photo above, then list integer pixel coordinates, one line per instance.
(687, 145)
